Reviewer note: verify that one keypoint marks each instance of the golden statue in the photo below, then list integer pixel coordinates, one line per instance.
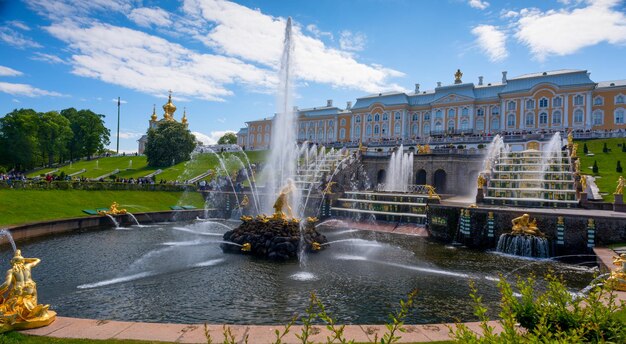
(431, 191)
(577, 166)
(315, 246)
(620, 186)
(19, 309)
(312, 219)
(617, 280)
(329, 188)
(244, 202)
(481, 181)
(282, 202)
(523, 226)
(457, 76)
(570, 139)
(113, 210)
(574, 150)
(425, 149)
(245, 218)
(559, 220)
(583, 183)
(246, 247)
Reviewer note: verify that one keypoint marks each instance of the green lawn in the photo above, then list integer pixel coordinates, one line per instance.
(136, 166)
(607, 162)
(16, 337)
(22, 206)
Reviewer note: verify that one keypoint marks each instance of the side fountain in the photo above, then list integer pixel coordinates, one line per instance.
(524, 240)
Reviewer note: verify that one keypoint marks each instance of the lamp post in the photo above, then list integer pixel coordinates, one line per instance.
(118, 126)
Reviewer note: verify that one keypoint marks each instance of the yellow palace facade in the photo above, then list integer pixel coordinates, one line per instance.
(556, 100)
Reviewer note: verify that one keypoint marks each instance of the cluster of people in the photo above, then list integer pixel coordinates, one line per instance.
(12, 175)
(140, 181)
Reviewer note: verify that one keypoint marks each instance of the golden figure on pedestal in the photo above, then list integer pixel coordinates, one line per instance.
(523, 226)
(425, 149)
(481, 181)
(19, 309)
(583, 183)
(328, 190)
(113, 210)
(574, 150)
(617, 280)
(282, 202)
(620, 186)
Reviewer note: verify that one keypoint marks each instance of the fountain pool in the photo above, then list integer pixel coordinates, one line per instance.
(178, 273)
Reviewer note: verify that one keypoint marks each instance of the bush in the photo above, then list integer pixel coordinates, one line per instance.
(618, 169)
(595, 167)
(585, 149)
(554, 316)
(460, 147)
(480, 146)
(623, 147)
(605, 149)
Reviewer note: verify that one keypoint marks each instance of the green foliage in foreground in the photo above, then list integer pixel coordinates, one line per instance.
(549, 317)
(23, 206)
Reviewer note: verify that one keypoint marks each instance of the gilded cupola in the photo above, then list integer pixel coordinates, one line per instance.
(169, 109)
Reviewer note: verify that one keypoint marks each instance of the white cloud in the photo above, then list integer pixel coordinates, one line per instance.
(481, 5)
(212, 138)
(565, 31)
(15, 100)
(16, 39)
(18, 24)
(491, 41)
(26, 90)
(352, 41)
(6, 71)
(508, 14)
(122, 101)
(146, 17)
(221, 119)
(253, 36)
(312, 28)
(48, 58)
(130, 135)
(78, 11)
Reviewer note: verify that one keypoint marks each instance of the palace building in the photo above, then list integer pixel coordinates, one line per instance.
(556, 100)
(168, 115)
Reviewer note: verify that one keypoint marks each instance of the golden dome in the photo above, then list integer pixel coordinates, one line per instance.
(169, 109)
(154, 115)
(184, 119)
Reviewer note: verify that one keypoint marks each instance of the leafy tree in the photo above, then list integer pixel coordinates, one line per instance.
(605, 149)
(90, 136)
(623, 147)
(169, 142)
(18, 139)
(595, 167)
(618, 169)
(585, 149)
(54, 133)
(228, 139)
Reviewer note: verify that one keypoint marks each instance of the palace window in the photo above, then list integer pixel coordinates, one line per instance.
(385, 117)
(358, 119)
(260, 128)
(415, 129)
(598, 117)
(426, 128)
(543, 118)
(415, 116)
(480, 124)
(438, 114)
(252, 129)
(465, 124)
(556, 118)
(511, 105)
(480, 112)
(385, 130)
(343, 122)
(267, 138)
(376, 129)
(579, 100)
(320, 123)
(342, 133)
(330, 123)
(267, 127)
(530, 104)
(398, 116)
(427, 116)
(495, 124)
(368, 130)
(357, 131)
(330, 134)
(530, 119)
(397, 129)
(598, 101)
(578, 116)
(495, 111)
(320, 134)
(557, 102)
(369, 117)
(619, 99)
(510, 121)
(543, 102)
(465, 112)
(450, 126)
(619, 116)
(377, 117)
(258, 138)
(438, 127)
(451, 113)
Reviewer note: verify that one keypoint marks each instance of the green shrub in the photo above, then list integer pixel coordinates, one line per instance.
(480, 146)
(605, 149)
(585, 149)
(618, 169)
(460, 146)
(553, 316)
(595, 167)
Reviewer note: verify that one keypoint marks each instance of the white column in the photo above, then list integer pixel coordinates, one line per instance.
(487, 128)
(522, 115)
(588, 110)
(471, 118)
(566, 112)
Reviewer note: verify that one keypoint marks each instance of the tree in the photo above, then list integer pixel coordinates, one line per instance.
(54, 133)
(18, 139)
(605, 149)
(228, 139)
(169, 144)
(595, 167)
(618, 169)
(623, 147)
(585, 149)
(90, 136)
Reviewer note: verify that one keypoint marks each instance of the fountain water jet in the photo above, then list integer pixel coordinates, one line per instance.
(400, 171)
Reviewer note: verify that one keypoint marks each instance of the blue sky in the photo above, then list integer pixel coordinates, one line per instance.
(220, 57)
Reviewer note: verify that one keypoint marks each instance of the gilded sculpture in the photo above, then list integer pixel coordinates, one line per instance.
(583, 183)
(570, 139)
(19, 309)
(113, 210)
(524, 226)
(431, 191)
(425, 149)
(481, 181)
(281, 206)
(328, 190)
(617, 280)
(574, 150)
(457, 76)
(620, 186)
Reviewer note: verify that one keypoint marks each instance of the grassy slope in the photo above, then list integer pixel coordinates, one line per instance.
(22, 206)
(607, 163)
(15, 338)
(183, 171)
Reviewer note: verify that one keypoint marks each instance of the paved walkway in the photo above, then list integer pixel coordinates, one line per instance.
(379, 226)
(180, 333)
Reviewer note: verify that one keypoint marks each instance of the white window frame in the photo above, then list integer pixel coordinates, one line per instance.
(578, 96)
(623, 113)
(543, 100)
(531, 116)
(558, 99)
(598, 101)
(509, 123)
(597, 114)
(560, 118)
